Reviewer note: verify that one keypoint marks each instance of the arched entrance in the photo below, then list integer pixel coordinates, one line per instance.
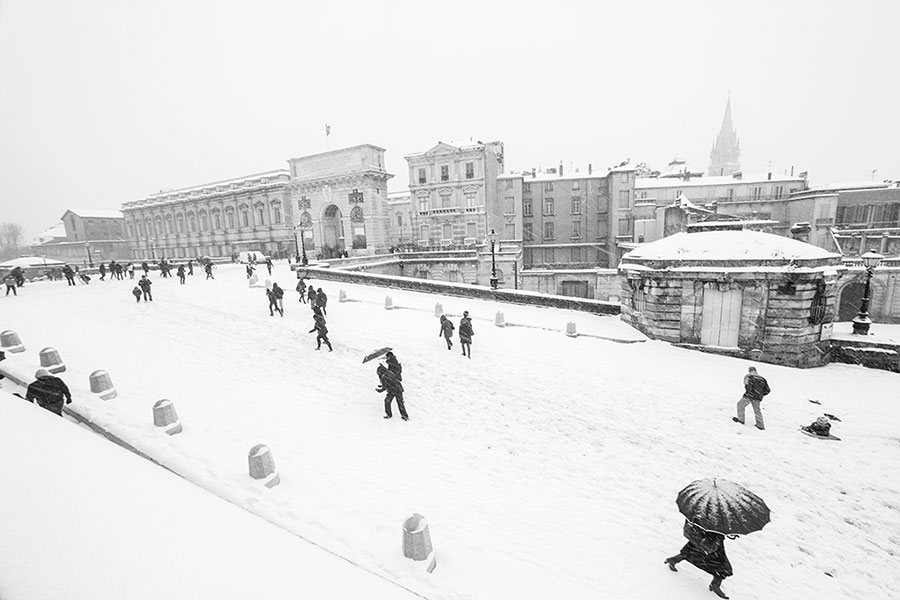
(851, 300)
(332, 232)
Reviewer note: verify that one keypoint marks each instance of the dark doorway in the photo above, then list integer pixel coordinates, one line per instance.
(851, 300)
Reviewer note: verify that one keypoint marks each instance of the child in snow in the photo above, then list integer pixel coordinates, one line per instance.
(821, 427)
(137, 293)
(321, 330)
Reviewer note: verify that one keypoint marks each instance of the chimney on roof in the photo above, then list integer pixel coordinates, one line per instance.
(792, 170)
(560, 169)
(737, 175)
(590, 168)
(533, 172)
(769, 178)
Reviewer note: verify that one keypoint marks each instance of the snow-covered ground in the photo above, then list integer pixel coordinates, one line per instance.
(546, 466)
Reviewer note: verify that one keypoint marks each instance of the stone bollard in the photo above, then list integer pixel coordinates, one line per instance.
(570, 329)
(102, 385)
(164, 415)
(342, 296)
(438, 309)
(10, 342)
(262, 465)
(268, 284)
(417, 541)
(253, 280)
(499, 319)
(388, 303)
(51, 361)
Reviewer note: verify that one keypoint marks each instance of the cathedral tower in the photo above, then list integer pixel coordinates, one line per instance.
(725, 156)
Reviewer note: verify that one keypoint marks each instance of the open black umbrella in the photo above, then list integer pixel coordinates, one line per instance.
(376, 353)
(722, 506)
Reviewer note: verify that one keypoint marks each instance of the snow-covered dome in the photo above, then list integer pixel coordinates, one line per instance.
(732, 248)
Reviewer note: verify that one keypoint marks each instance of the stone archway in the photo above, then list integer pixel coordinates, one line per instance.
(850, 301)
(332, 232)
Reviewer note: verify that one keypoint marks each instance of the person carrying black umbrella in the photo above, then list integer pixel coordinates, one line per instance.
(706, 551)
(389, 381)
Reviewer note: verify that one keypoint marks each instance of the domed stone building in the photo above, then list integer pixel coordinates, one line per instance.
(743, 293)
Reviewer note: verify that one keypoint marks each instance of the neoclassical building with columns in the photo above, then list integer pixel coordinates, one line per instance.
(214, 219)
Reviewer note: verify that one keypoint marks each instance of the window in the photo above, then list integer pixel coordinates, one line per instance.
(470, 170)
(470, 199)
(509, 231)
(757, 193)
(445, 173)
(526, 207)
(730, 194)
(424, 233)
(446, 231)
(217, 220)
(509, 184)
(179, 224)
(526, 188)
(576, 230)
(423, 205)
(643, 195)
(528, 232)
(548, 186)
(549, 256)
(625, 198)
(576, 206)
(399, 220)
(623, 177)
(422, 176)
(260, 216)
(276, 213)
(625, 226)
(229, 216)
(602, 229)
(548, 206)
(509, 206)
(548, 230)
(204, 221)
(779, 191)
(246, 215)
(446, 200)
(471, 230)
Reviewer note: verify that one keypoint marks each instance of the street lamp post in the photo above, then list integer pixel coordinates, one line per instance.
(90, 260)
(303, 260)
(492, 237)
(297, 241)
(861, 322)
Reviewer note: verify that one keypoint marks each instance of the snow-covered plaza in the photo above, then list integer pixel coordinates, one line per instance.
(547, 466)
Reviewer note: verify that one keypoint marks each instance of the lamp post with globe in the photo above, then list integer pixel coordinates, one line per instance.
(861, 322)
(492, 238)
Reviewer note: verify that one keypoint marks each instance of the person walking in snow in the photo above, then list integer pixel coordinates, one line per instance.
(191, 267)
(301, 287)
(48, 392)
(706, 551)
(70, 275)
(136, 292)
(102, 271)
(312, 297)
(10, 282)
(321, 301)
(145, 284)
(389, 382)
(249, 270)
(321, 330)
(465, 333)
(446, 330)
(130, 269)
(180, 273)
(145, 267)
(755, 388)
(269, 264)
(394, 365)
(208, 267)
(19, 276)
(278, 294)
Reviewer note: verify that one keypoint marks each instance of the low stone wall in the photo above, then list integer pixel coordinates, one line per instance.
(599, 284)
(867, 354)
(465, 291)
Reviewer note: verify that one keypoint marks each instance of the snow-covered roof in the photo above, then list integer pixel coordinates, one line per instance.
(57, 231)
(96, 214)
(30, 261)
(643, 183)
(541, 176)
(753, 246)
(858, 185)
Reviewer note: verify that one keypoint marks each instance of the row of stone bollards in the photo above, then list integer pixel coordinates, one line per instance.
(261, 464)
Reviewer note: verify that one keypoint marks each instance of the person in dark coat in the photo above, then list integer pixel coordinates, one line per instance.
(321, 301)
(706, 551)
(465, 333)
(389, 382)
(446, 330)
(820, 427)
(191, 267)
(145, 267)
(48, 392)
(10, 282)
(19, 276)
(394, 365)
(145, 284)
(85, 278)
(180, 273)
(136, 292)
(755, 388)
(269, 265)
(70, 275)
(301, 287)
(102, 271)
(311, 294)
(130, 269)
(278, 294)
(321, 331)
(208, 267)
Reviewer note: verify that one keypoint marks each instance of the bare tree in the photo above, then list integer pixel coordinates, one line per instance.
(11, 235)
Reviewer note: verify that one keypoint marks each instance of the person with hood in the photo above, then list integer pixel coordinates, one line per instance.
(389, 382)
(446, 330)
(755, 387)
(394, 365)
(321, 301)
(706, 551)
(321, 330)
(208, 267)
(70, 275)
(301, 287)
(19, 276)
(465, 333)
(48, 392)
(10, 282)
(145, 283)
(145, 267)
(820, 427)
(180, 273)
(311, 294)
(136, 292)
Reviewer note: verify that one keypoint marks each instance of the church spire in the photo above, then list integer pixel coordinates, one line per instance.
(725, 157)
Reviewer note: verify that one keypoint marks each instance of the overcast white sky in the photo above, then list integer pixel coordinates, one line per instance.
(107, 101)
